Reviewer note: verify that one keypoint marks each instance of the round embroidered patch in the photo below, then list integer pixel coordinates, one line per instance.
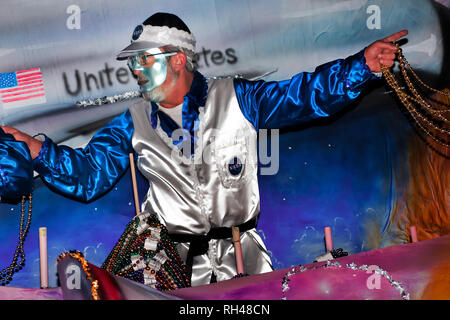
(235, 166)
(137, 32)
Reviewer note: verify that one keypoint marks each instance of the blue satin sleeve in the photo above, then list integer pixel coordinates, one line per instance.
(86, 174)
(305, 96)
(16, 169)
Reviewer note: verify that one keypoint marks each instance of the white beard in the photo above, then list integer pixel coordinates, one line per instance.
(156, 95)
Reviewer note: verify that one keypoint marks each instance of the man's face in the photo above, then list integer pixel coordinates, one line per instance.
(150, 68)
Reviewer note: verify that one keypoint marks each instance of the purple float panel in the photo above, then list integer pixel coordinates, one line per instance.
(411, 271)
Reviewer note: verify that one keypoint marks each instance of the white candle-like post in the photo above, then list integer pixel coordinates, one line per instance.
(133, 180)
(236, 237)
(43, 257)
(413, 231)
(328, 239)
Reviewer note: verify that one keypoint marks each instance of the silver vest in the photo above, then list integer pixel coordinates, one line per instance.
(193, 195)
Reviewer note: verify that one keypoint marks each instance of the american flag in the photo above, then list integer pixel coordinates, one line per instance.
(22, 88)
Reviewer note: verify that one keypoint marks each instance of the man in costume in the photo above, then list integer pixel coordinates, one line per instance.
(195, 141)
(16, 169)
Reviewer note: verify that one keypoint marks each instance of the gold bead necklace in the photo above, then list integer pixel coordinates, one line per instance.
(7, 273)
(430, 120)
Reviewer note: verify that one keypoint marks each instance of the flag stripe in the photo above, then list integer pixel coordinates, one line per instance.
(29, 70)
(20, 93)
(33, 78)
(29, 75)
(23, 98)
(29, 82)
(21, 88)
(27, 102)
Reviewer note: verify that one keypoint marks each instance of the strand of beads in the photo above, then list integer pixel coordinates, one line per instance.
(285, 281)
(118, 253)
(7, 273)
(296, 269)
(145, 253)
(428, 119)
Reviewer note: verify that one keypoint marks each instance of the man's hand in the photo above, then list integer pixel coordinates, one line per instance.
(383, 51)
(33, 144)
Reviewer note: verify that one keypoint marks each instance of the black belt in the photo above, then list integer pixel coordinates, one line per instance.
(199, 243)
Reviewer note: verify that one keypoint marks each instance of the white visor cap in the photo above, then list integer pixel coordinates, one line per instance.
(147, 37)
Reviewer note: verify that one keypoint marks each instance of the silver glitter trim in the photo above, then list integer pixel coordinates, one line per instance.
(236, 76)
(135, 94)
(296, 269)
(108, 99)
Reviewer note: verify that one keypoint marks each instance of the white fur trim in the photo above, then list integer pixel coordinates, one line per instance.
(169, 36)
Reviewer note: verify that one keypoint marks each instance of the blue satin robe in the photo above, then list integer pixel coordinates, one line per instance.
(16, 169)
(86, 174)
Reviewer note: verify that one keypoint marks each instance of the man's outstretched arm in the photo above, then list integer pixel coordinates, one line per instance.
(83, 174)
(16, 169)
(308, 96)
